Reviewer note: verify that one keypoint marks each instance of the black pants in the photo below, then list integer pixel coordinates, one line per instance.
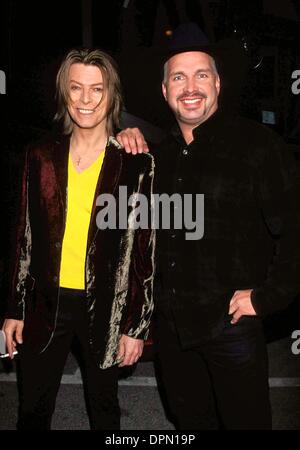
(40, 375)
(222, 383)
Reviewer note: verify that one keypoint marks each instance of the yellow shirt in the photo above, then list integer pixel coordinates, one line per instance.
(81, 192)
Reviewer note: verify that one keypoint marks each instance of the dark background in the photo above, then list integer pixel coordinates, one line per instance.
(36, 35)
(262, 39)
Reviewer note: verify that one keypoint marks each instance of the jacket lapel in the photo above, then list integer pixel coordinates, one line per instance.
(107, 183)
(60, 162)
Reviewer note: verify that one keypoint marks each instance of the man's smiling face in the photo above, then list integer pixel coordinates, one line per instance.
(87, 103)
(191, 87)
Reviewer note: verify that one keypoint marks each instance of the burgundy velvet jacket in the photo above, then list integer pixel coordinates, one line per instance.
(119, 262)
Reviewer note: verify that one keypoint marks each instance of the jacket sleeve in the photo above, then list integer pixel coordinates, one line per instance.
(139, 303)
(19, 278)
(278, 196)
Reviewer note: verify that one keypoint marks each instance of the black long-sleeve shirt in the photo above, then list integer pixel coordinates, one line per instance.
(251, 238)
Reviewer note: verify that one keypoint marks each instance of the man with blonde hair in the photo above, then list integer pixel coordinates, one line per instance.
(71, 280)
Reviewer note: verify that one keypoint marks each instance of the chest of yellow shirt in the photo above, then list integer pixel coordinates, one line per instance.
(81, 192)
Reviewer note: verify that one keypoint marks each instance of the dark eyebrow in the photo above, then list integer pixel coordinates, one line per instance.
(180, 72)
(176, 73)
(95, 84)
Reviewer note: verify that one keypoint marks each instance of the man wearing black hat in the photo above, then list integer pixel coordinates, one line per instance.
(213, 292)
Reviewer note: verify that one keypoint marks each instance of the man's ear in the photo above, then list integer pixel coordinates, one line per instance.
(164, 90)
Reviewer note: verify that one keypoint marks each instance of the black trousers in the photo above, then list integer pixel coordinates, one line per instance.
(221, 384)
(40, 374)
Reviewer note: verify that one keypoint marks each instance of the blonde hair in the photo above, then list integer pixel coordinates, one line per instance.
(111, 83)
